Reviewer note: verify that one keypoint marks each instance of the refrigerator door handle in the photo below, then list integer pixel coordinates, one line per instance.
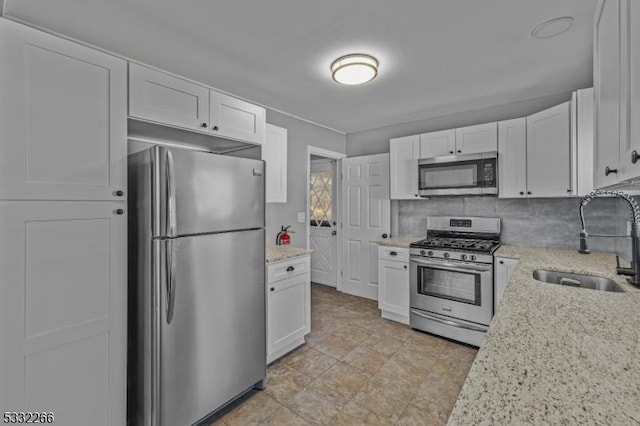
(171, 284)
(171, 196)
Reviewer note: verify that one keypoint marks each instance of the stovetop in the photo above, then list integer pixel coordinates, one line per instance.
(475, 245)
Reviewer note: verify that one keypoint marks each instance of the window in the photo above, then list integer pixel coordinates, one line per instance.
(321, 213)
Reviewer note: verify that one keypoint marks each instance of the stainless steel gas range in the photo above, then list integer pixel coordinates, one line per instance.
(451, 277)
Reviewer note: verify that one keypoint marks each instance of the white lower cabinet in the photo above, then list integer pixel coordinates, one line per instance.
(288, 305)
(502, 274)
(63, 310)
(393, 283)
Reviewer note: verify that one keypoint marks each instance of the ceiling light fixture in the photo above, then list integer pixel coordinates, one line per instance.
(552, 27)
(354, 69)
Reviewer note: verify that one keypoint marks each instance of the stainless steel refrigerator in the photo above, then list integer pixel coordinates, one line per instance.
(197, 334)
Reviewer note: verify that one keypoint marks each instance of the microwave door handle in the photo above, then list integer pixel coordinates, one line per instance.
(450, 266)
(171, 196)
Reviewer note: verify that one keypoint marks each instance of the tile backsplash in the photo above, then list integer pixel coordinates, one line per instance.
(540, 222)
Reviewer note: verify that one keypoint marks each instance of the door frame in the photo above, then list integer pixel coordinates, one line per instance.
(333, 155)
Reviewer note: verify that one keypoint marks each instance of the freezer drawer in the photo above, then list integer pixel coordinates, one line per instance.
(212, 322)
(198, 192)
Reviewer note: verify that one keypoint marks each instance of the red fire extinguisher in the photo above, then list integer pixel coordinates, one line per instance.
(283, 238)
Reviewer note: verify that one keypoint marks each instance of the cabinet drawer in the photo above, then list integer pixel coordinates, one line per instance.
(393, 253)
(287, 268)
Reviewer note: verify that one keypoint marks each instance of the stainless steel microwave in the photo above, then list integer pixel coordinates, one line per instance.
(472, 174)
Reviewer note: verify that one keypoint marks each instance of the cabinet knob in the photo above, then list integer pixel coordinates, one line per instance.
(608, 170)
(272, 289)
(634, 156)
(415, 195)
(405, 266)
(528, 192)
(119, 211)
(459, 151)
(204, 125)
(214, 128)
(291, 269)
(384, 235)
(393, 253)
(118, 193)
(450, 152)
(502, 262)
(521, 192)
(569, 190)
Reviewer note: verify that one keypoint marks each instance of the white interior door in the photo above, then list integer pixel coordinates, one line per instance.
(322, 227)
(366, 218)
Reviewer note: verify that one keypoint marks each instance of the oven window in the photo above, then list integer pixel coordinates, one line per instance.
(452, 285)
(460, 175)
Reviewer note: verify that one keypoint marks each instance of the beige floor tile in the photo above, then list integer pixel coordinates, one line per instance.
(284, 417)
(307, 363)
(437, 395)
(283, 387)
(353, 333)
(366, 359)
(386, 399)
(335, 346)
(341, 382)
(316, 336)
(353, 414)
(315, 405)
(384, 344)
(252, 411)
(414, 416)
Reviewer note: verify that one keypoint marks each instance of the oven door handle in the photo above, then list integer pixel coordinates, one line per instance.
(447, 322)
(450, 266)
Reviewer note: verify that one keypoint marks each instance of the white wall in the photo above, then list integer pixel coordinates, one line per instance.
(300, 135)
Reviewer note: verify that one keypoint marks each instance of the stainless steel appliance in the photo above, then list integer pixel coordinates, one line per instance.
(451, 277)
(197, 335)
(473, 174)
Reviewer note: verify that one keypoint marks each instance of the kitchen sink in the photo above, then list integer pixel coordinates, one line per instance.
(577, 280)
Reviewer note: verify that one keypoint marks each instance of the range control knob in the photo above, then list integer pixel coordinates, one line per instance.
(473, 257)
(429, 253)
(422, 252)
(463, 256)
(446, 255)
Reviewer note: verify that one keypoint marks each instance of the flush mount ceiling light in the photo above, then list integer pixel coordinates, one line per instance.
(354, 69)
(552, 27)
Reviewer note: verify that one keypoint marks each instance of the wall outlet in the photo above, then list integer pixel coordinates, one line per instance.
(301, 217)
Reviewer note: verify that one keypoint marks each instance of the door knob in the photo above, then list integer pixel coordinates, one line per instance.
(384, 235)
(334, 232)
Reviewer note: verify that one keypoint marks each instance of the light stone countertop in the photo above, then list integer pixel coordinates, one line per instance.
(402, 241)
(557, 355)
(276, 253)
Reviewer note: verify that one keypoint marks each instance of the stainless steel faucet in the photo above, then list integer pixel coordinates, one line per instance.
(634, 270)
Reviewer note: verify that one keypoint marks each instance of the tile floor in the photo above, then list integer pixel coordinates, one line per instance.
(357, 369)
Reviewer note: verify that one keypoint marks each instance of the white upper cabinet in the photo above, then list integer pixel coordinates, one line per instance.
(477, 139)
(548, 152)
(404, 154)
(274, 153)
(607, 93)
(63, 118)
(630, 147)
(160, 97)
(438, 144)
(236, 119)
(166, 99)
(512, 158)
(582, 129)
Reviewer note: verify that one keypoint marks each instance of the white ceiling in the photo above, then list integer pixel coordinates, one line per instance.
(435, 55)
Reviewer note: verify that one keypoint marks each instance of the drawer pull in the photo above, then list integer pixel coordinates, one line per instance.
(291, 269)
(393, 253)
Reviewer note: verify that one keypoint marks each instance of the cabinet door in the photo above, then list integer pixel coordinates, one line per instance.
(583, 138)
(393, 288)
(630, 170)
(274, 153)
(160, 97)
(512, 158)
(437, 144)
(236, 119)
(503, 270)
(606, 76)
(477, 139)
(548, 152)
(288, 313)
(63, 120)
(404, 154)
(63, 310)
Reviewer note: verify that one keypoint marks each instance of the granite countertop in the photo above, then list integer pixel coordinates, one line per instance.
(276, 253)
(403, 241)
(557, 355)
